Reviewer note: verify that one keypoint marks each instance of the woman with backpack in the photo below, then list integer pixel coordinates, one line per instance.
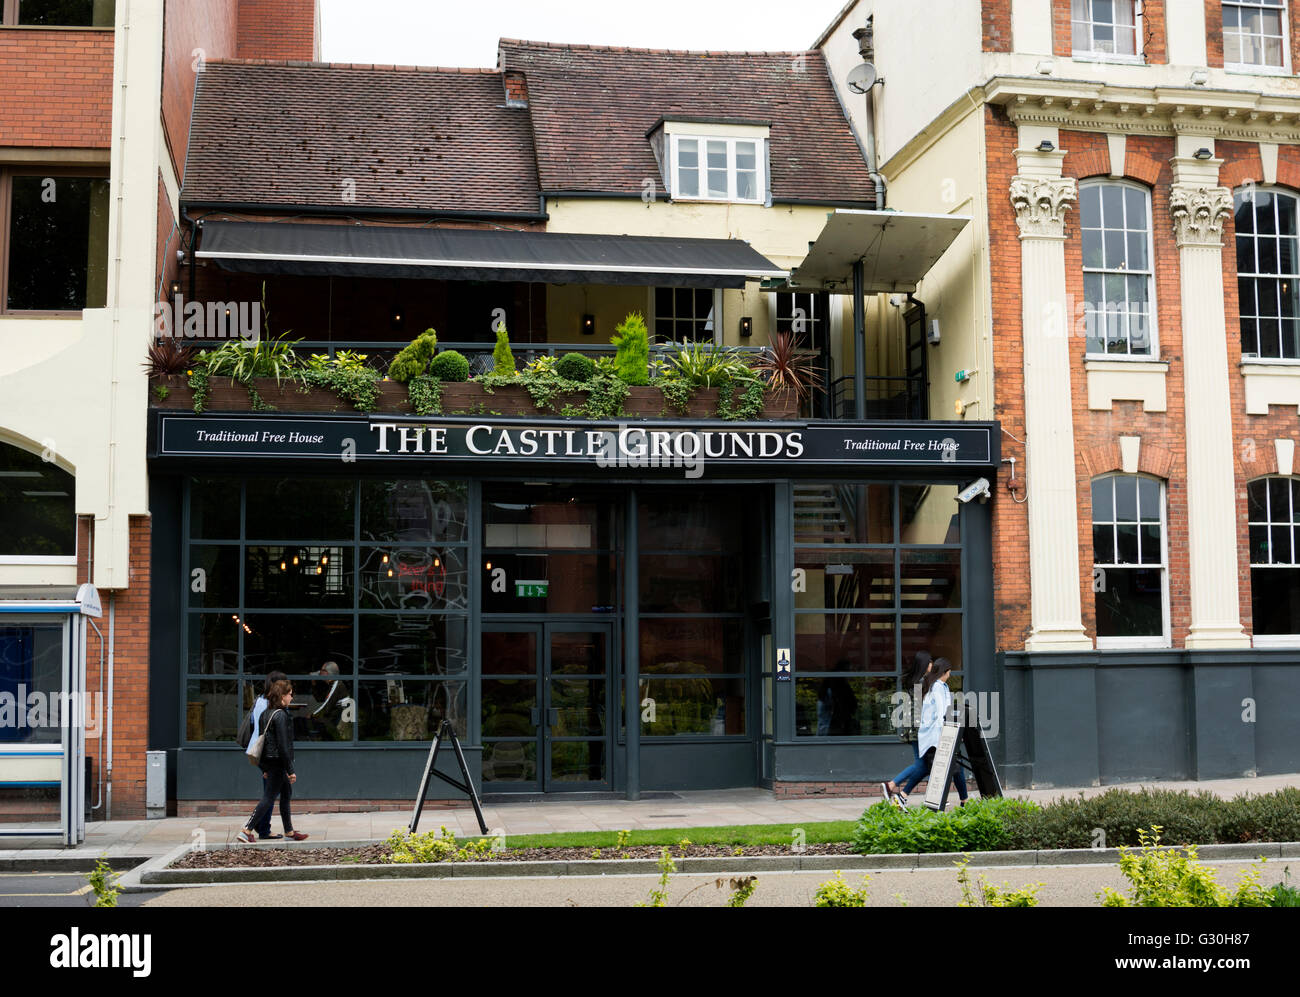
(276, 763)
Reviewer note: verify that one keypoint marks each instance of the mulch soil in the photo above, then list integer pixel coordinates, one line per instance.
(240, 858)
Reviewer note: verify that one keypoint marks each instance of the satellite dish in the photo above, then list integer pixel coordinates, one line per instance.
(862, 78)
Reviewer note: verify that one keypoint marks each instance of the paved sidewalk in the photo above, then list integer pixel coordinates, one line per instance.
(148, 838)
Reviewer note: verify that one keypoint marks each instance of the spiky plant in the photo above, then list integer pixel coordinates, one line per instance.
(165, 357)
(787, 369)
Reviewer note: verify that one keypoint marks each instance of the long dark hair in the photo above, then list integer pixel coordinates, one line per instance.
(920, 664)
(942, 668)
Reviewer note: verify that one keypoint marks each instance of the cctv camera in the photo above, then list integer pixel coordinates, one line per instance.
(979, 488)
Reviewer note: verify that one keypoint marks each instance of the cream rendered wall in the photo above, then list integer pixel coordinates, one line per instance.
(927, 53)
(76, 386)
(1031, 26)
(1185, 30)
(944, 174)
(781, 233)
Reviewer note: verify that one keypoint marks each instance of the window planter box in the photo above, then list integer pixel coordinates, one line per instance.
(469, 398)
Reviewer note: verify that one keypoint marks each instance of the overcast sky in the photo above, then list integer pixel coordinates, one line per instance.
(465, 32)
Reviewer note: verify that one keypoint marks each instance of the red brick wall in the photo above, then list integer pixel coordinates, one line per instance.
(1062, 33)
(130, 671)
(1253, 435)
(169, 238)
(995, 24)
(1010, 522)
(1163, 450)
(56, 88)
(1214, 33)
(277, 29)
(209, 25)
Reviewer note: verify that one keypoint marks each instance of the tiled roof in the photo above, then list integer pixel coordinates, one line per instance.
(592, 106)
(293, 134)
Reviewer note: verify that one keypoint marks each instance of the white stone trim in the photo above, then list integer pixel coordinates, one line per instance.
(1285, 451)
(1268, 159)
(1115, 145)
(1142, 381)
(1130, 453)
(1270, 382)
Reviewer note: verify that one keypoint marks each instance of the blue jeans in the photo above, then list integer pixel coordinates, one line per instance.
(263, 829)
(920, 768)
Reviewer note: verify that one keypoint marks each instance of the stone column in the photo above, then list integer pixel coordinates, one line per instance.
(1199, 207)
(1041, 197)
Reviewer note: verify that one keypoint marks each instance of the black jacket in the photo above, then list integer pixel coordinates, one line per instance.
(277, 749)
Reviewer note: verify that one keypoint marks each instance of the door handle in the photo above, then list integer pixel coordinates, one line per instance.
(535, 716)
(553, 717)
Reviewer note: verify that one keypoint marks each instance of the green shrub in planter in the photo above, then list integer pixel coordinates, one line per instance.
(633, 356)
(1119, 815)
(414, 358)
(980, 826)
(503, 361)
(449, 366)
(576, 367)
(1272, 817)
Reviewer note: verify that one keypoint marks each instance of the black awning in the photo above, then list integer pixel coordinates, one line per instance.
(481, 254)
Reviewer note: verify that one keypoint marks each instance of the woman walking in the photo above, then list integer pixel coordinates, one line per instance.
(936, 705)
(276, 764)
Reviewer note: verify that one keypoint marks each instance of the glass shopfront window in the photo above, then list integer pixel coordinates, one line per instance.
(356, 589)
(877, 578)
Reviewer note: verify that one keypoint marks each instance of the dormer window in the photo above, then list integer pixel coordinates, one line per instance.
(716, 161)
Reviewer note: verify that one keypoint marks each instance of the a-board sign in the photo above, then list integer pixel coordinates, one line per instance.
(936, 789)
(981, 761)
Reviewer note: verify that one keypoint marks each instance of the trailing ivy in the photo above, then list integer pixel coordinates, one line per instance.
(357, 386)
(750, 405)
(255, 401)
(425, 393)
(676, 392)
(605, 392)
(198, 383)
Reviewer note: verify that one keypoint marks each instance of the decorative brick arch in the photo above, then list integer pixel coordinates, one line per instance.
(1154, 460)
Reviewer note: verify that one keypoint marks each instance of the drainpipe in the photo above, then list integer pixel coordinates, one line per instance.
(867, 49)
(108, 732)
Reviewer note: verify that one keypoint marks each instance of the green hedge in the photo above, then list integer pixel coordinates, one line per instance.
(1108, 820)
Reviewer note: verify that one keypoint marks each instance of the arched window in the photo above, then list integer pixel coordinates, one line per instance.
(1118, 289)
(1268, 268)
(1273, 506)
(1130, 576)
(37, 508)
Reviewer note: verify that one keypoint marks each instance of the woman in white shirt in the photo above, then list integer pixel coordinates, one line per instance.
(936, 705)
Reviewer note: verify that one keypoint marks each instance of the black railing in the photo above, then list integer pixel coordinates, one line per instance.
(886, 398)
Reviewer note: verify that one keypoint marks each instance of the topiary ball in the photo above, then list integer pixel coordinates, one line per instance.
(449, 366)
(576, 367)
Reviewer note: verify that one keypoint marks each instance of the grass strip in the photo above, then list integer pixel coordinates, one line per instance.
(820, 832)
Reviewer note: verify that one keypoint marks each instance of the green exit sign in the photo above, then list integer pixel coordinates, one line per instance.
(531, 589)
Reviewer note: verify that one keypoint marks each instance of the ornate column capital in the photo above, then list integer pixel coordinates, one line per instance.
(1041, 204)
(1198, 212)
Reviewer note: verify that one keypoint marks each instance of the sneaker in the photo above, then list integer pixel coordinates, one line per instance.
(884, 791)
(296, 836)
(246, 836)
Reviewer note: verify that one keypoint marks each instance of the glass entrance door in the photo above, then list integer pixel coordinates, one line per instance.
(545, 694)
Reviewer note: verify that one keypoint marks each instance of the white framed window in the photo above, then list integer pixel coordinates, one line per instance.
(686, 314)
(1268, 274)
(1273, 517)
(1130, 561)
(1254, 35)
(1118, 279)
(706, 168)
(1105, 28)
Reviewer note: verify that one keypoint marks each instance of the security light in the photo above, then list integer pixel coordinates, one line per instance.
(1202, 154)
(1046, 145)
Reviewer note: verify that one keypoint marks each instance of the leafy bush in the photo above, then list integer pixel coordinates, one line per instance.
(1168, 879)
(503, 361)
(1120, 814)
(632, 358)
(449, 366)
(265, 358)
(1284, 894)
(991, 896)
(576, 367)
(981, 825)
(103, 881)
(404, 847)
(414, 358)
(706, 365)
(837, 893)
(1272, 817)
(357, 385)
(425, 394)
